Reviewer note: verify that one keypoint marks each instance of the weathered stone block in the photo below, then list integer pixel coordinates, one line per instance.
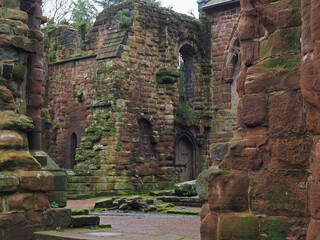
(316, 160)
(204, 211)
(11, 139)
(8, 182)
(256, 137)
(314, 199)
(313, 230)
(254, 109)
(6, 99)
(185, 189)
(60, 197)
(280, 193)
(42, 201)
(248, 26)
(85, 220)
(36, 181)
(12, 219)
(273, 227)
(21, 202)
(313, 114)
(282, 41)
(280, 15)
(17, 15)
(201, 183)
(12, 160)
(11, 3)
(104, 203)
(315, 20)
(290, 154)
(209, 227)
(57, 217)
(228, 190)
(10, 120)
(274, 74)
(285, 114)
(238, 226)
(250, 52)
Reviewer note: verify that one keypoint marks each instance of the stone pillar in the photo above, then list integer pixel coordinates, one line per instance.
(260, 189)
(310, 86)
(24, 205)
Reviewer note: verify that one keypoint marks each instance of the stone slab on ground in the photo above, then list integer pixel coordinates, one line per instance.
(85, 220)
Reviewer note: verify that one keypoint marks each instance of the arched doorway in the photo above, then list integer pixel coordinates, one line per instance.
(73, 147)
(184, 152)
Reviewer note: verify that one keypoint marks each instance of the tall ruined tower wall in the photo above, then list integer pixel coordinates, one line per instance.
(126, 74)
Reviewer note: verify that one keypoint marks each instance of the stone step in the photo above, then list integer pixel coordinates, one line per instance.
(84, 220)
(182, 201)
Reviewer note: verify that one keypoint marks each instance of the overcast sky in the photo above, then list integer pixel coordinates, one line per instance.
(182, 6)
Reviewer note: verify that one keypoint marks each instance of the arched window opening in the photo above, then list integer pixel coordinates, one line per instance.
(187, 73)
(234, 93)
(73, 147)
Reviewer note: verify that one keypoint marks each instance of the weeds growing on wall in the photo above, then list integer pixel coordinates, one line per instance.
(185, 115)
(125, 19)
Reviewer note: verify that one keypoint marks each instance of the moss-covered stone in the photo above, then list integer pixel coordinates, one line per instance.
(13, 121)
(13, 160)
(185, 189)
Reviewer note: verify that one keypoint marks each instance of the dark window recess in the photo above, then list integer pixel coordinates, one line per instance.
(73, 147)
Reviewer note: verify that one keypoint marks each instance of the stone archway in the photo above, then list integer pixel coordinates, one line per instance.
(184, 157)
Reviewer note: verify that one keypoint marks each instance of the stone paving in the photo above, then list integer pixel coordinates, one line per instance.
(133, 226)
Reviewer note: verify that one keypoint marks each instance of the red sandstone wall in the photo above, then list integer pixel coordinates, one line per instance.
(225, 51)
(117, 154)
(261, 188)
(310, 91)
(70, 91)
(24, 204)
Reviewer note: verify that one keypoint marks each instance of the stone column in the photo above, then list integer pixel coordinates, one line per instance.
(24, 205)
(310, 86)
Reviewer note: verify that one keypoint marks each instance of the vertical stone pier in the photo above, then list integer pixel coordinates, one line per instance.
(24, 205)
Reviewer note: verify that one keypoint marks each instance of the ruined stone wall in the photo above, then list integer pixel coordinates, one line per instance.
(129, 145)
(225, 55)
(69, 106)
(310, 90)
(261, 188)
(24, 204)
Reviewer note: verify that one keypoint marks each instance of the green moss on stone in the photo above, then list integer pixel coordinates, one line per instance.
(265, 48)
(292, 36)
(10, 3)
(52, 57)
(275, 229)
(124, 18)
(55, 45)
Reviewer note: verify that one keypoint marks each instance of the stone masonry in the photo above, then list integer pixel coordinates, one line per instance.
(129, 100)
(263, 188)
(24, 187)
